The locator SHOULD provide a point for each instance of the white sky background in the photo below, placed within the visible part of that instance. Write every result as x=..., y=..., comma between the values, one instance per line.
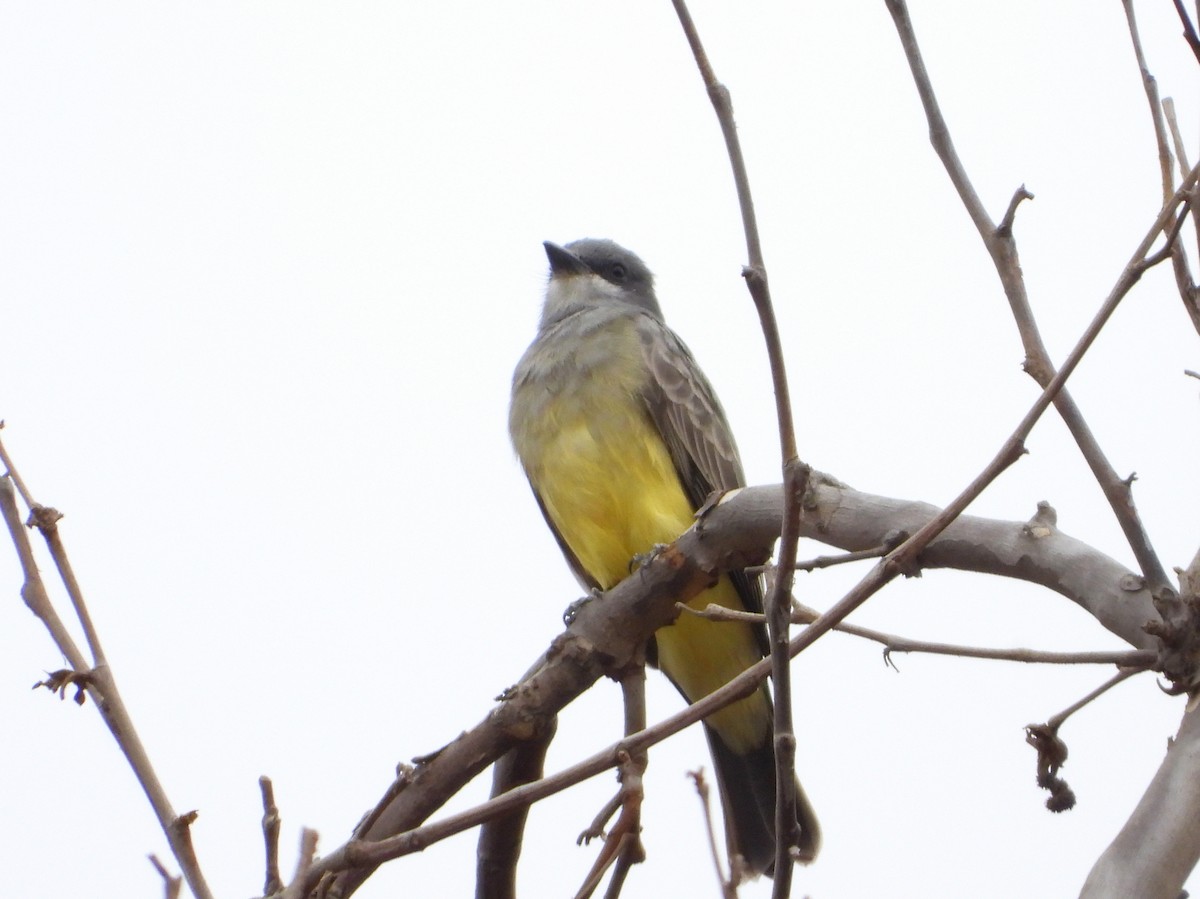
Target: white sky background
x=266, y=269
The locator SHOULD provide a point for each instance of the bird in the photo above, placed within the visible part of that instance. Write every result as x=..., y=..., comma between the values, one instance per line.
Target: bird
x=622, y=439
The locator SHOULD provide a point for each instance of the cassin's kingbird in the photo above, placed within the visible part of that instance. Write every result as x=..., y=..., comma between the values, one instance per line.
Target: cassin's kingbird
x=622, y=438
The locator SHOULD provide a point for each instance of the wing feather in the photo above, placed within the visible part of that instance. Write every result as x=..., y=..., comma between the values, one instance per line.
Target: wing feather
x=685, y=408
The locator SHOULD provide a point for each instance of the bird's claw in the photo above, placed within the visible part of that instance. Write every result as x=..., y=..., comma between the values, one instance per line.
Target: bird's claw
x=572, y=611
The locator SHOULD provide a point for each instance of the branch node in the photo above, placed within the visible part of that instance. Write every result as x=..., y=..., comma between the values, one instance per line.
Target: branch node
x=1132, y=583
x=172, y=884
x=1178, y=632
x=1044, y=522
x=44, y=518
x=1004, y=229
x=755, y=277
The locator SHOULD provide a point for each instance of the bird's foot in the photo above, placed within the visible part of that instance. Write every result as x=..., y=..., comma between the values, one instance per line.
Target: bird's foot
x=572, y=610
x=641, y=560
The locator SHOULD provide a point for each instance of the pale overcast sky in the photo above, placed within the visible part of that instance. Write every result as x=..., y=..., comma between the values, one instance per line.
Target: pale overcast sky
x=266, y=269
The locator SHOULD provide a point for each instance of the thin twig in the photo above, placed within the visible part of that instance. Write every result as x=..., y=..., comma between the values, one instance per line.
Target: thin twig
x=728, y=891
x=46, y=519
x=795, y=474
x=818, y=562
x=1183, y=275
x=623, y=844
x=304, y=864
x=273, y=882
x=1056, y=721
x=1189, y=30
x=33, y=588
x=596, y=829
x=1181, y=153
x=1185, y=165
x=1137, y=659
x=1150, y=87
x=98, y=679
x=10, y=471
x=893, y=643
x=172, y=884
x=1020, y=195
x=626, y=859
x=1052, y=749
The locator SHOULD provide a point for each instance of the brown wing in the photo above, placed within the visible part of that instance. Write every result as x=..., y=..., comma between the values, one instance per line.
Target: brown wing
x=689, y=416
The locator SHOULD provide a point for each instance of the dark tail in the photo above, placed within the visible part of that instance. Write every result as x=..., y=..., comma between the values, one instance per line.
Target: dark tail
x=747, y=785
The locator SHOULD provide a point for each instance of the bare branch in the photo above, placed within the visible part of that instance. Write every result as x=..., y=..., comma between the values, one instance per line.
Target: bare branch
x=1183, y=276
x=1159, y=845
x=1057, y=721
x=33, y=589
x=11, y=472
x=1004, y=229
x=272, y=882
x=795, y=474
x=624, y=862
x=1189, y=30
x=1181, y=154
x=172, y=885
x=500, y=838
x=1052, y=750
x=727, y=889
x=735, y=531
x=894, y=643
x=1002, y=248
x=304, y=863
x=98, y=680
x=623, y=844
x=1150, y=86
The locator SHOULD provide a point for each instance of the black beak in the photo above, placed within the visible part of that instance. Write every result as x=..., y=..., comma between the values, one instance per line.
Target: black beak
x=563, y=261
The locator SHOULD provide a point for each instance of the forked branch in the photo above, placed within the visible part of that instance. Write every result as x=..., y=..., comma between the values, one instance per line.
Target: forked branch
x=1002, y=248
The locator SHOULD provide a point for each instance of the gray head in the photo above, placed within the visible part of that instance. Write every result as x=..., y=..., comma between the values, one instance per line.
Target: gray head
x=589, y=272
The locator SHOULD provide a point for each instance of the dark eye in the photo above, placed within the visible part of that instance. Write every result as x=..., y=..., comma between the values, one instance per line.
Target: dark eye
x=617, y=271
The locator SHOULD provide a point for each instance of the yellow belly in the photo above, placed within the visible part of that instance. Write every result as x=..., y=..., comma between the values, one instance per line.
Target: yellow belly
x=607, y=481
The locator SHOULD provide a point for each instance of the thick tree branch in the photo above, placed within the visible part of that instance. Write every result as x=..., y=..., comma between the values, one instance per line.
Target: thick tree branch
x=500, y=839
x=1160, y=843
x=609, y=632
